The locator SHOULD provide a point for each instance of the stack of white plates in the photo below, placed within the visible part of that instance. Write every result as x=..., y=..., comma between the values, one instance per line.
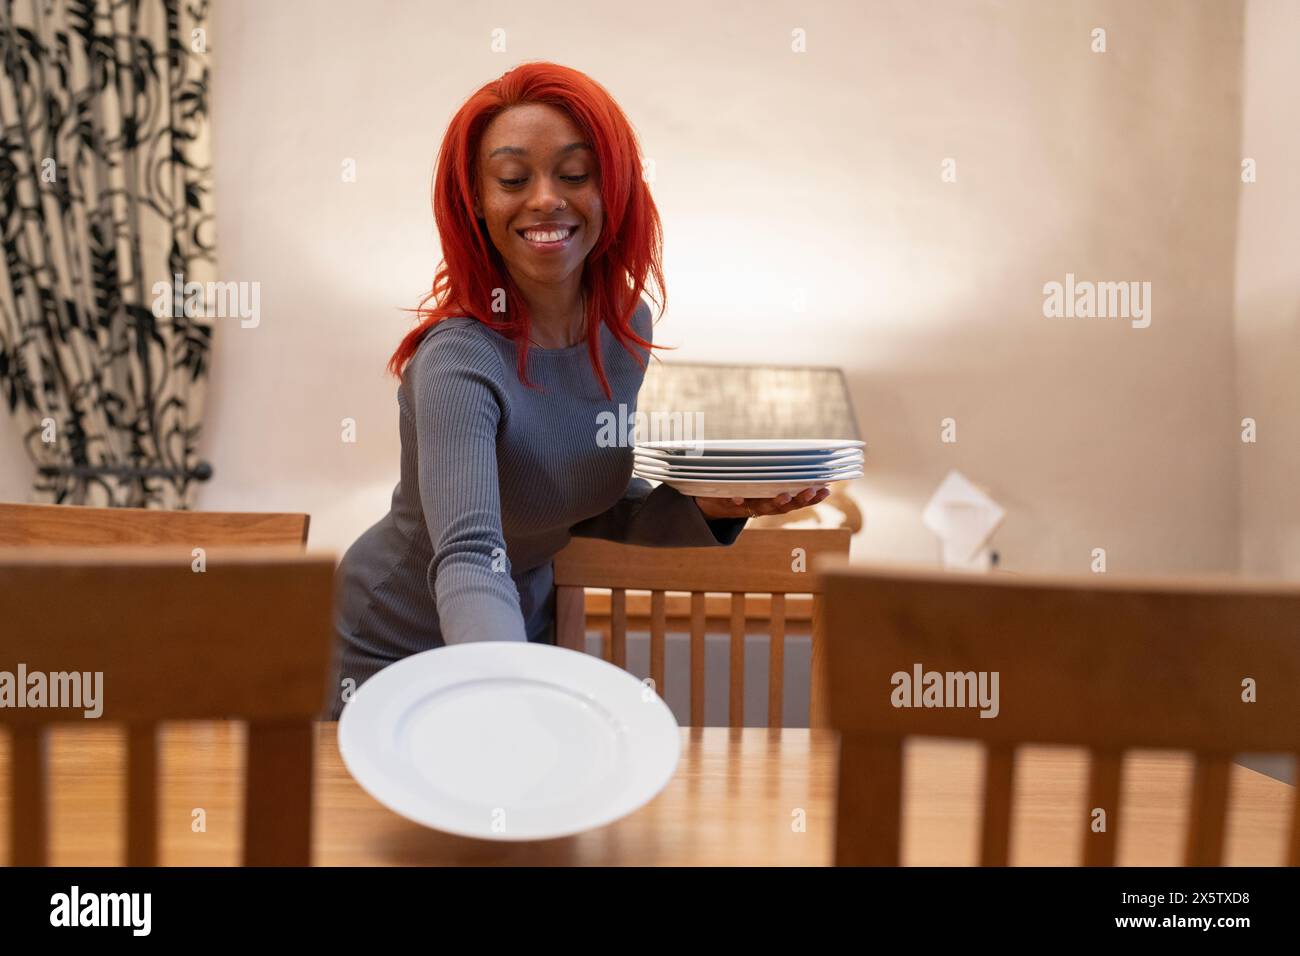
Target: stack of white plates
x=748, y=468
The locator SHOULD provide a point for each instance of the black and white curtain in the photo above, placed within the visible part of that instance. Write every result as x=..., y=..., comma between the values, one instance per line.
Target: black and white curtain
x=104, y=195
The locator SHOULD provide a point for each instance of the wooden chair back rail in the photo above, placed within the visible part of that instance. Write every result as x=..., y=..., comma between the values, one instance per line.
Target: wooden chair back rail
x=23, y=525
x=248, y=638
x=1110, y=666
x=757, y=572
x=717, y=609
x=713, y=625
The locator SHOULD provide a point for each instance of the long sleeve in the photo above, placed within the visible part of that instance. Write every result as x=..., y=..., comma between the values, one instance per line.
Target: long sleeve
x=659, y=517
x=457, y=409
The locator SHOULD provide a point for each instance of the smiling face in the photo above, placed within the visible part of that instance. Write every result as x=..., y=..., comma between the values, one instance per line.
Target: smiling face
x=538, y=193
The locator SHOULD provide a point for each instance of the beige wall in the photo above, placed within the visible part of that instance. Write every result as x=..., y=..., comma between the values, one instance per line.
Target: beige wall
x=1268, y=292
x=781, y=177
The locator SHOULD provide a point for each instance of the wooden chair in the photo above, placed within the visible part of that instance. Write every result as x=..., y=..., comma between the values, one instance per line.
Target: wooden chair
x=249, y=638
x=57, y=525
x=774, y=562
x=1100, y=663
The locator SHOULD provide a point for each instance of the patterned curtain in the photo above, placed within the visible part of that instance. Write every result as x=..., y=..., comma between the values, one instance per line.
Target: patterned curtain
x=105, y=193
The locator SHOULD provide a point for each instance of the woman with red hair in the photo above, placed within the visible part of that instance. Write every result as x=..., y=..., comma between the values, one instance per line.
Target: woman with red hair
x=536, y=327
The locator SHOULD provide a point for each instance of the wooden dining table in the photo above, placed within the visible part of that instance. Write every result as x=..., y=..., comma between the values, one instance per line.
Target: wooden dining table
x=738, y=797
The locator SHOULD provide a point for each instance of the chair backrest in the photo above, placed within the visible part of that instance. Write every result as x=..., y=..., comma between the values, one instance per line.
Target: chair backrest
x=155, y=634
x=1210, y=665
x=775, y=562
x=23, y=525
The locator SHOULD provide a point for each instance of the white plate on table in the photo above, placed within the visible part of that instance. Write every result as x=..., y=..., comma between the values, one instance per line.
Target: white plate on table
x=750, y=446
x=727, y=488
x=502, y=740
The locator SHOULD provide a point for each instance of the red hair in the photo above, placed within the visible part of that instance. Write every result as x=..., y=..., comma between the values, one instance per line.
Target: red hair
x=628, y=251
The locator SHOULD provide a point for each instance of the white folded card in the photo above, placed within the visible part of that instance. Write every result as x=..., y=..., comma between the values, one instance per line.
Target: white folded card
x=963, y=517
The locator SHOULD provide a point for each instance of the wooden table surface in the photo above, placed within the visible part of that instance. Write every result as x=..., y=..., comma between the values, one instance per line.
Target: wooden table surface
x=751, y=797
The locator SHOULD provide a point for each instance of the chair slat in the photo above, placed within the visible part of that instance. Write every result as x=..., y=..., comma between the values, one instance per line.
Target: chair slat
x=658, y=627
x=999, y=781
x=736, y=671
x=697, y=659
x=869, y=801
x=278, y=794
x=570, y=618
x=1209, y=811
x=1099, y=847
x=142, y=795
x=1293, y=857
x=776, y=663
x=618, y=628
x=819, y=714
x=28, y=796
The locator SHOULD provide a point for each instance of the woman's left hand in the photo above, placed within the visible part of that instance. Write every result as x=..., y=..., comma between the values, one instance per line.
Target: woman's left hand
x=756, y=507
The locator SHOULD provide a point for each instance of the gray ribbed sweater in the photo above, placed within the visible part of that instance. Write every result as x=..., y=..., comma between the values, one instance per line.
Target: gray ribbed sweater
x=495, y=479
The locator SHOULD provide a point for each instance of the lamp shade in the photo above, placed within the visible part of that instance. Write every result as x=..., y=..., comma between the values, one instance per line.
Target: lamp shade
x=750, y=401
